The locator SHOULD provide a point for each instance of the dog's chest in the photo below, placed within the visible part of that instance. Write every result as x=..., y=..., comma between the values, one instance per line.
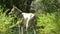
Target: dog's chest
x=27, y=17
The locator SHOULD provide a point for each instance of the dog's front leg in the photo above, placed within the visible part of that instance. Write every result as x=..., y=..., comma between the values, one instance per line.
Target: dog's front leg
x=22, y=30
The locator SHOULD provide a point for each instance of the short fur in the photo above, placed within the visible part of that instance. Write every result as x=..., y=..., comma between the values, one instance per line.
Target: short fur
x=29, y=19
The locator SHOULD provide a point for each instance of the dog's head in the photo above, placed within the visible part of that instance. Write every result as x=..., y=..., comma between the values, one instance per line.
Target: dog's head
x=16, y=12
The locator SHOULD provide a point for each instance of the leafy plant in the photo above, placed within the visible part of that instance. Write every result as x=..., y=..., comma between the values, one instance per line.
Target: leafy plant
x=48, y=21
x=7, y=22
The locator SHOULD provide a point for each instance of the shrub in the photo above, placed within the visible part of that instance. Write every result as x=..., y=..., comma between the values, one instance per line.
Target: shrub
x=48, y=21
x=7, y=23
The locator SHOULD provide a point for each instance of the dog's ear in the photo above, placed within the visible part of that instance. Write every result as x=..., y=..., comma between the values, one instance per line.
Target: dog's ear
x=11, y=11
x=17, y=8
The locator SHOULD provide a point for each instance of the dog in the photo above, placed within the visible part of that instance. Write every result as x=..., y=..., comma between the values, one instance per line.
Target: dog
x=29, y=19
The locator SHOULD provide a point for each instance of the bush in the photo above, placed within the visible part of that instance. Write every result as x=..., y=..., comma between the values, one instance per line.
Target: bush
x=7, y=23
x=48, y=21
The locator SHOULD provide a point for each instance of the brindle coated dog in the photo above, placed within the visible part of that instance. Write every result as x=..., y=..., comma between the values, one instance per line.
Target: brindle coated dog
x=29, y=19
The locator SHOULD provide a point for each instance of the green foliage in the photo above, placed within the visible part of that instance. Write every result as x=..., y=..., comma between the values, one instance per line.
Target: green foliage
x=7, y=22
x=50, y=6
x=51, y=23
x=50, y=17
x=44, y=19
x=50, y=20
x=23, y=5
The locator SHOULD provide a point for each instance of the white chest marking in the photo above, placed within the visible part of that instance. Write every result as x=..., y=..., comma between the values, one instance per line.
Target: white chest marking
x=27, y=16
